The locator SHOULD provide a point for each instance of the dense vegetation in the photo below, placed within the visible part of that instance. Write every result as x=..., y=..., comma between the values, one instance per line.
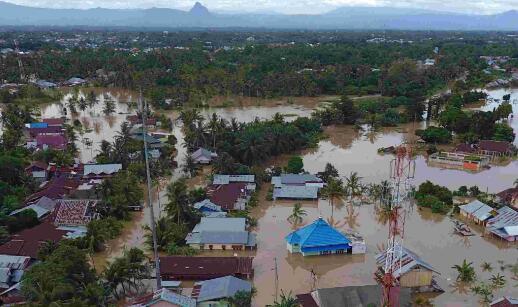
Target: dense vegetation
x=435, y=197
x=194, y=73
x=242, y=145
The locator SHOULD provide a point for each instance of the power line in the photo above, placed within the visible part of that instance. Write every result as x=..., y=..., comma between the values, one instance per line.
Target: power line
x=150, y=204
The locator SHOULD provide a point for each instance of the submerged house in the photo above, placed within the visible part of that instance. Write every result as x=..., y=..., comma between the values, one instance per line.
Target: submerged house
x=296, y=186
x=163, y=298
x=414, y=273
x=221, y=234
x=227, y=179
x=508, y=197
x=368, y=295
x=230, y=197
x=477, y=212
x=209, y=293
x=504, y=225
x=43, y=207
x=505, y=301
x=318, y=238
x=49, y=141
x=209, y=209
x=495, y=148
x=203, y=268
x=98, y=171
x=12, y=269
x=203, y=156
x=38, y=171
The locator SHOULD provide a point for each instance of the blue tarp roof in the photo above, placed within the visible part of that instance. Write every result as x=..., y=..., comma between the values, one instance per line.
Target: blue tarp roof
x=319, y=233
x=38, y=125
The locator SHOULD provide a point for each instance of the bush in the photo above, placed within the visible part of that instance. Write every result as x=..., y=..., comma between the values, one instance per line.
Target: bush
x=435, y=135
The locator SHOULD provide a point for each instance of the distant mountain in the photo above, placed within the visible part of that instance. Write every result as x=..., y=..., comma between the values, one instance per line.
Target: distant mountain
x=199, y=10
x=200, y=17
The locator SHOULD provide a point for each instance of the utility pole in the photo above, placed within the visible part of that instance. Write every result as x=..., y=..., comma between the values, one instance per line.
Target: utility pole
x=276, y=279
x=149, y=201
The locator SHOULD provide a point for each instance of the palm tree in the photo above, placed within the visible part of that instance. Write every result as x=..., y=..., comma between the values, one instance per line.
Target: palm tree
x=353, y=184
x=286, y=301
x=486, y=267
x=466, y=272
x=178, y=205
x=333, y=190
x=297, y=214
x=498, y=281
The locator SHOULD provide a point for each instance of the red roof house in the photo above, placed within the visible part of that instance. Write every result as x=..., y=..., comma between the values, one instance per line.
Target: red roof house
x=28, y=241
x=232, y=196
x=203, y=268
x=490, y=147
x=54, y=121
x=54, y=141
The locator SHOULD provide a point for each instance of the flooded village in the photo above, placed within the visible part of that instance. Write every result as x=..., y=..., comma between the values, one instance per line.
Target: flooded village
x=185, y=184
x=275, y=268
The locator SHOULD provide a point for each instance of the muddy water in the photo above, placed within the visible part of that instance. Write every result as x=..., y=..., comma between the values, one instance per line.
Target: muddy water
x=427, y=234
x=349, y=150
x=498, y=94
x=352, y=151
x=97, y=126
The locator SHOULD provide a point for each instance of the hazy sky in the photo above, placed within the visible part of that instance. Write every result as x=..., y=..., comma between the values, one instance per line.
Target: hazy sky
x=285, y=6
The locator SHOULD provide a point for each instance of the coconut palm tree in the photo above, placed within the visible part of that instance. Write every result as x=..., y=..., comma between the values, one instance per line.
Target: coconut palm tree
x=498, y=281
x=466, y=272
x=333, y=190
x=297, y=214
x=486, y=267
x=178, y=205
x=287, y=300
x=353, y=184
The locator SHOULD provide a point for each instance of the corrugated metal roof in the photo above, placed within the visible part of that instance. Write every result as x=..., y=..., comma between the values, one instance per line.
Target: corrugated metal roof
x=317, y=234
x=220, y=224
x=409, y=260
x=299, y=178
x=207, y=204
x=506, y=217
x=478, y=209
x=98, y=169
x=222, y=287
x=226, y=179
x=296, y=192
x=224, y=237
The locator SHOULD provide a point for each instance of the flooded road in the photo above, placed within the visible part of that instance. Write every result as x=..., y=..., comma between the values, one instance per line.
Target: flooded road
x=427, y=234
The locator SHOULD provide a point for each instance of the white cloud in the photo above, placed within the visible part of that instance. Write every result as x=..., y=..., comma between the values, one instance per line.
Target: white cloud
x=285, y=6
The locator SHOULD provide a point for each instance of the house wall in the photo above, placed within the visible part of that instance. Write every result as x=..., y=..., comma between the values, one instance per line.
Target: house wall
x=293, y=248
x=416, y=278
x=164, y=304
x=218, y=246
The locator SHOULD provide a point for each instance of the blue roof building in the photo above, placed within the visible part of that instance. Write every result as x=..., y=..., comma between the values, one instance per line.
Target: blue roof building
x=318, y=238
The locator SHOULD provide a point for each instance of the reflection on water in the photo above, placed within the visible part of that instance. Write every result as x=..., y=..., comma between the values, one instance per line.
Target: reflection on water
x=428, y=234
x=97, y=126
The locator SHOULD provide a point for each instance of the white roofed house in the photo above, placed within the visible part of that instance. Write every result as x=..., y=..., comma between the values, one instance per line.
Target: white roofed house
x=296, y=186
x=226, y=179
x=221, y=234
x=203, y=156
x=477, y=212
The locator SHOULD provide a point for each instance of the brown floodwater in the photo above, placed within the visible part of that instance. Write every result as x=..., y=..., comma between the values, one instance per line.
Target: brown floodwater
x=428, y=234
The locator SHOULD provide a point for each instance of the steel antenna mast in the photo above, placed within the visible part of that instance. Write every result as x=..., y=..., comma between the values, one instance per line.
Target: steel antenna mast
x=402, y=170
